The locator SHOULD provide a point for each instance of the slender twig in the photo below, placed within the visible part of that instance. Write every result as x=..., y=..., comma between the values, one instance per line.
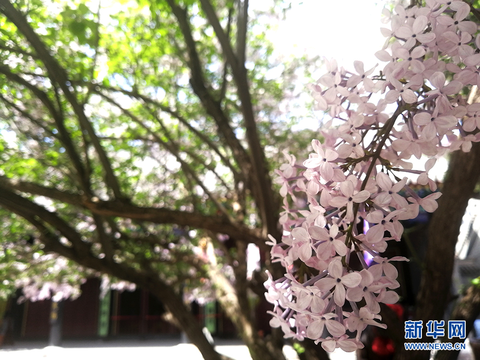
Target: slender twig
x=174, y=151
x=176, y=115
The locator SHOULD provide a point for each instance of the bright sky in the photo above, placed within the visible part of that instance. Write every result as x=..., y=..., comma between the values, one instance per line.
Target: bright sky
x=346, y=30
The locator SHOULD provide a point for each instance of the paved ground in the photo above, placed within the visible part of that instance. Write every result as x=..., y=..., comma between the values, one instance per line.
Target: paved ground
x=133, y=350
x=146, y=350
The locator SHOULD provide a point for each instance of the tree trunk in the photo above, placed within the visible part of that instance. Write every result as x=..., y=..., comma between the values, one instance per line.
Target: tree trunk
x=187, y=321
x=230, y=300
x=56, y=322
x=458, y=187
x=468, y=309
x=234, y=301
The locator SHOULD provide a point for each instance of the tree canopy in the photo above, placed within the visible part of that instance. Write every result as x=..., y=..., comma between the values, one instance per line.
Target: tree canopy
x=134, y=137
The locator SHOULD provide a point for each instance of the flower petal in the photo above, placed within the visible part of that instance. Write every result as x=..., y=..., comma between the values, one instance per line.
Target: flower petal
x=361, y=196
x=351, y=279
x=339, y=295
x=335, y=328
x=329, y=345
x=325, y=284
x=300, y=234
x=384, y=181
x=437, y=79
x=375, y=234
x=315, y=329
x=419, y=24
x=390, y=271
x=335, y=268
x=340, y=247
x=318, y=233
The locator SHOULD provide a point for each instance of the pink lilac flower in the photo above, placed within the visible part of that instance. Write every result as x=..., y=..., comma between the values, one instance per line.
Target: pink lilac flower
x=402, y=91
x=364, y=318
x=390, y=192
x=338, y=281
x=350, y=196
x=331, y=241
x=472, y=120
x=383, y=266
x=454, y=44
x=361, y=76
x=415, y=32
x=302, y=244
x=343, y=342
x=366, y=288
x=322, y=159
x=438, y=80
x=433, y=123
x=316, y=327
x=355, y=174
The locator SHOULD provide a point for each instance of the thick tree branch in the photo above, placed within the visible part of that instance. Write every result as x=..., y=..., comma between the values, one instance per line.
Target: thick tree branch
x=222, y=36
x=198, y=83
x=216, y=224
x=49, y=192
x=242, y=25
x=261, y=184
x=29, y=209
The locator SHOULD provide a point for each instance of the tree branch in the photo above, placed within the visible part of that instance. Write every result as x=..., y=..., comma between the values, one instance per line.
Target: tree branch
x=40, y=190
x=261, y=183
x=216, y=224
x=212, y=106
x=242, y=22
x=31, y=210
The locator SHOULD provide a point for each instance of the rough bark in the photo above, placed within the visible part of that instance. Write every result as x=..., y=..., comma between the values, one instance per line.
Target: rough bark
x=458, y=187
x=234, y=301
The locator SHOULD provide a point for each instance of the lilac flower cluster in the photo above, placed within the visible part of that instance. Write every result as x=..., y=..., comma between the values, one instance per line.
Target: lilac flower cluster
x=348, y=198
